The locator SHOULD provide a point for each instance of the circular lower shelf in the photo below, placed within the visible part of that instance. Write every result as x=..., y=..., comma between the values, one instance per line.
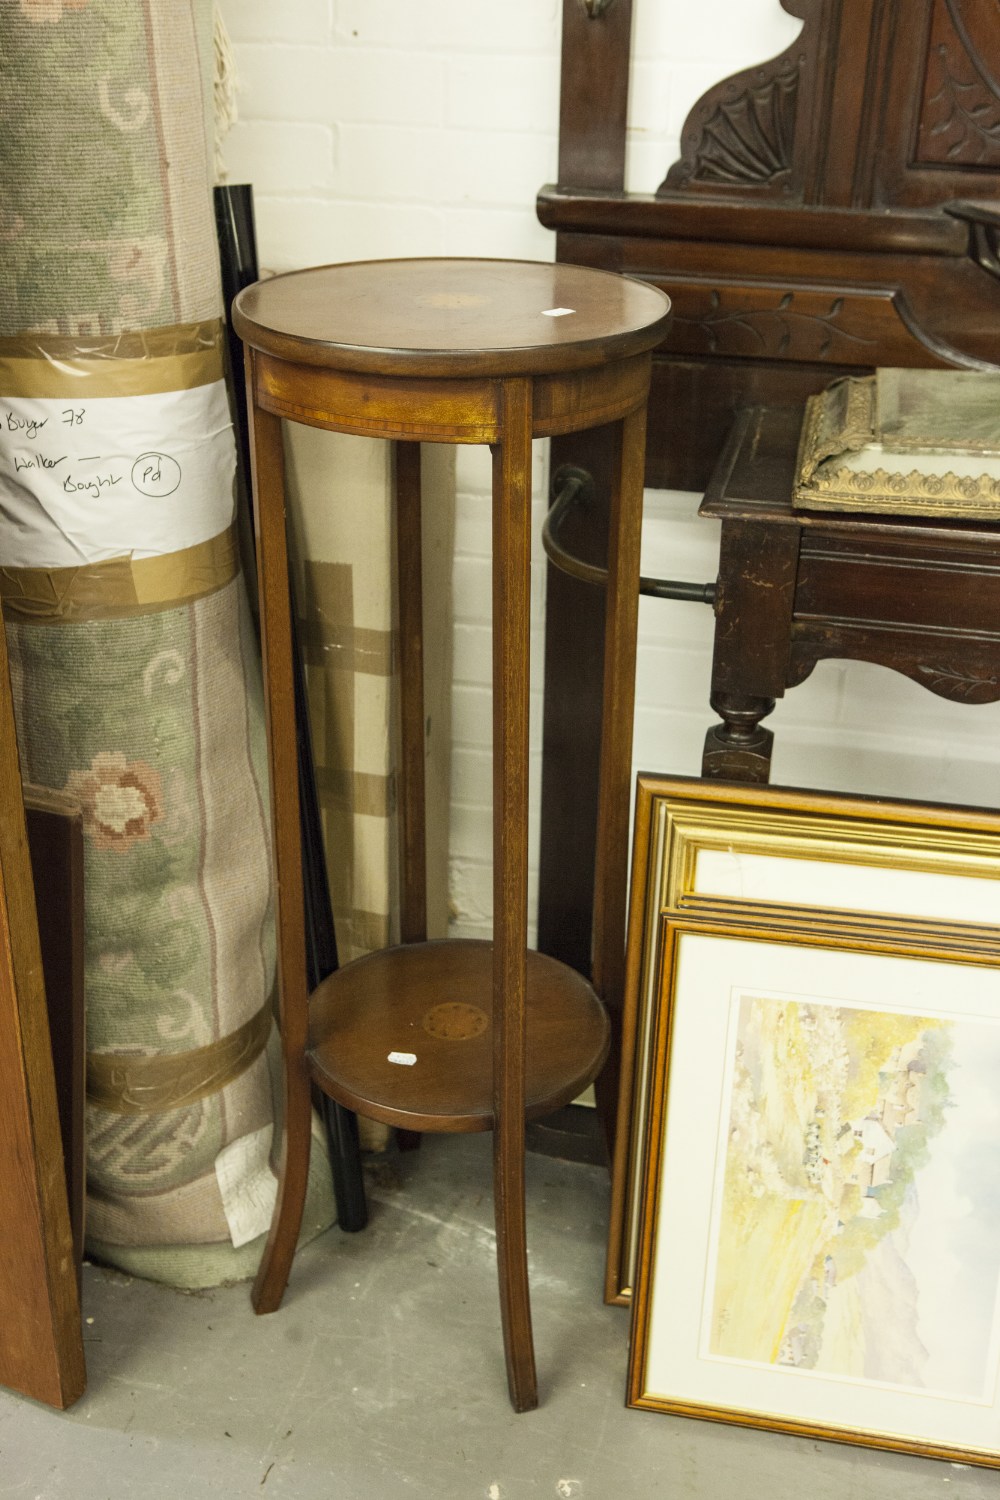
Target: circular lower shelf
x=433, y=1002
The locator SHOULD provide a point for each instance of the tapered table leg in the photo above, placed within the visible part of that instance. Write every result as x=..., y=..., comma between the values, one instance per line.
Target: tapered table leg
x=412, y=796
x=621, y=628
x=412, y=771
x=511, y=622
x=279, y=702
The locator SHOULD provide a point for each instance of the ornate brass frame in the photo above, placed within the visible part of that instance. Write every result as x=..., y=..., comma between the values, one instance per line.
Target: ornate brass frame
x=863, y=438
x=676, y=1364
x=679, y=819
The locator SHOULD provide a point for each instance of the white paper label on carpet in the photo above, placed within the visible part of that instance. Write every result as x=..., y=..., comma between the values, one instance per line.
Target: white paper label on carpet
x=112, y=476
x=248, y=1186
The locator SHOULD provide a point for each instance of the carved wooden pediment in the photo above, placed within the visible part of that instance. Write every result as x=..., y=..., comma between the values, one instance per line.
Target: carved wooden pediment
x=885, y=104
x=741, y=133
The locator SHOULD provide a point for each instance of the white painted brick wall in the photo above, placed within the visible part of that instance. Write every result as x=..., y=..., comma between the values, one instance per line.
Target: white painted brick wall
x=424, y=127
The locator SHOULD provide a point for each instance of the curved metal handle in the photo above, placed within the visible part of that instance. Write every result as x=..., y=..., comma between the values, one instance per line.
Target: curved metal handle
x=983, y=218
x=571, y=486
x=595, y=8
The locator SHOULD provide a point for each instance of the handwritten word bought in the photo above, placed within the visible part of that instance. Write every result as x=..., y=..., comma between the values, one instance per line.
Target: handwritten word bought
x=92, y=487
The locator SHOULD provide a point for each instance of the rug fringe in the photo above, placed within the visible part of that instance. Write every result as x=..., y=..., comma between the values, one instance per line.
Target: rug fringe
x=226, y=87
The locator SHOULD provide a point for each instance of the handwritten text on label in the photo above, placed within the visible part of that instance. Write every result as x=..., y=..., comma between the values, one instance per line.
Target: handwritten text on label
x=30, y=426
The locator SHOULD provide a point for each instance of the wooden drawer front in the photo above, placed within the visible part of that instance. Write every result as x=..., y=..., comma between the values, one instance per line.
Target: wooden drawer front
x=939, y=588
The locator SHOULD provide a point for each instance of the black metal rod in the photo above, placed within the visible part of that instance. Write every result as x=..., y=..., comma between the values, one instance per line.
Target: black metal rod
x=678, y=588
x=238, y=254
x=983, y=219
x=573, y=486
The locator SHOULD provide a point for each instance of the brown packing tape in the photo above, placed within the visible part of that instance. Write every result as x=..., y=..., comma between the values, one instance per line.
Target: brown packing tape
x=362, y=791
x=130, y=1085
x=347, y=648
x=369, y=929
x=330, y=636
x=121, y=587
x=176, y=358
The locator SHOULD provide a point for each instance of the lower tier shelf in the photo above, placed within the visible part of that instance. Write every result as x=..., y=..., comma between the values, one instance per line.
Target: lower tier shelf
x=433, y=1002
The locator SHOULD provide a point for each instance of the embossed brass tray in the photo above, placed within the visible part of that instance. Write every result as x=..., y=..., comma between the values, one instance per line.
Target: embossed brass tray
x=913, y=442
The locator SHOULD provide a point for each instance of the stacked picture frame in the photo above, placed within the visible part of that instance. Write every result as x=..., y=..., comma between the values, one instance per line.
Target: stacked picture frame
x=806, y=1185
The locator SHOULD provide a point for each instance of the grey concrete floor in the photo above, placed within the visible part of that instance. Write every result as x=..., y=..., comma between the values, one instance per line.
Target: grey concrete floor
x=382, y=1377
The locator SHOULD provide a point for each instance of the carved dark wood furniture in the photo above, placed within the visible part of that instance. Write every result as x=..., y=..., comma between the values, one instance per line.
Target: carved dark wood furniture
x=453, y=1036
x=919, y=596
x=814, y=226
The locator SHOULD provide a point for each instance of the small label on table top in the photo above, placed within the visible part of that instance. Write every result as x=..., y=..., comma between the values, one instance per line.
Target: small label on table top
x=406, y=1059
x=558, y=312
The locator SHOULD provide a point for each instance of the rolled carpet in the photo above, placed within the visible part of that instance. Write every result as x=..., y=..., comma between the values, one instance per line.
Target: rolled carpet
x=134, y=664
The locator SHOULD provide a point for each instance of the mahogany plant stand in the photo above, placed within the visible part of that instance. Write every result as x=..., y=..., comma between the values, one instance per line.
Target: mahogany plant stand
x=459, y=1035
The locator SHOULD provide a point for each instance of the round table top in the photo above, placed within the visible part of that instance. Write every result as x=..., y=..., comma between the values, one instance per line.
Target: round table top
x=451, y=317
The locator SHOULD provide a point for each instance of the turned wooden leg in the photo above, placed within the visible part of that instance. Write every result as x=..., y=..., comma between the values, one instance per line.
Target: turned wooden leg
x=611, y=862
x=279, y=701
x=758, y=566
x=511, y=619
x=738, y=749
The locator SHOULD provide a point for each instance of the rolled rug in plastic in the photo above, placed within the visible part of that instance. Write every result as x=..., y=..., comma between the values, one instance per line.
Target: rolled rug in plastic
x=134, y=663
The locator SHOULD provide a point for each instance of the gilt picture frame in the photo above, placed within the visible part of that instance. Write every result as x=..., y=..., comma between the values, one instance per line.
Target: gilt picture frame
x=747, y=854
x=820, y=1226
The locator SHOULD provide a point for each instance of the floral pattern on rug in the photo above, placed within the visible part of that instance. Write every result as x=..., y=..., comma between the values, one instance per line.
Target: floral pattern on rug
x=121, y=799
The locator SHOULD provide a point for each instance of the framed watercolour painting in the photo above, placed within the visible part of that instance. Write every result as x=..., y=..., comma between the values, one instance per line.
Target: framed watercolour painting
x=820, y=1227
x=753, y=855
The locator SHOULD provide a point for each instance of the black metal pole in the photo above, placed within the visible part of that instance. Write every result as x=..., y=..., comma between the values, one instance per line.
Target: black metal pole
x=238, y=253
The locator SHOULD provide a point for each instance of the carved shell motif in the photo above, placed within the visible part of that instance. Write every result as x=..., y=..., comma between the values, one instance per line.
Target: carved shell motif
x=747, y=139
